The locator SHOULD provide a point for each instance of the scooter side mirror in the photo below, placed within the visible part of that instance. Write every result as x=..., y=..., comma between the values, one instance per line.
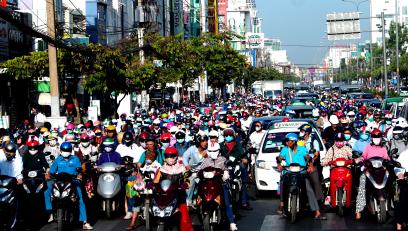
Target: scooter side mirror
x=394, y=151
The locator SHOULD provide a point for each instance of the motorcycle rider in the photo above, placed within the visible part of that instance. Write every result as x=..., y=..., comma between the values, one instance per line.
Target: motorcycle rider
x=246, y=121
x=362, y=142
x=230, y=147
x=313, y=148
x=68, y=163
x=86, y=149
x=400, y=209
x=338, y=150
x=11, y=163
x=108, y=153
x=255, y=138
x=375, y=149
x=151, y=150
x=292, y=153
x=128, y=148
x=329, y=132
x=192, y=158
x=348, y=137
x=181, y=144
x=397, y=139
x=173, y=167
x=51, y=149
x=214, y=159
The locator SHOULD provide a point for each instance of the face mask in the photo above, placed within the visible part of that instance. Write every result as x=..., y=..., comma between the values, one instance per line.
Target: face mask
x=108, y=149
x=70, y=132
x=138, y=124
x=85, y=144
x=148, y=162
x=180, y=141
x=65, y=154
x=33, y=152
x=347, y=136
x=388, y=122
x=301, y=134
x=187, y=126
x=339, y=144
x=166, y=145
x=170, y=161
x=53, y=143
x=396, y=137
x=364, y=137
x=315, y=118
x=229, y=139
x=258, y=129
x=377, y=141
x=213, y=155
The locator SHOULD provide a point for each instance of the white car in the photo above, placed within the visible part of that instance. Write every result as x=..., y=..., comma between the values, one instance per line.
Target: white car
x=267, y=176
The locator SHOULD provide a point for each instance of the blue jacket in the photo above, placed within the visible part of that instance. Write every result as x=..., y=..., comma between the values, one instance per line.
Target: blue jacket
x=69, y=166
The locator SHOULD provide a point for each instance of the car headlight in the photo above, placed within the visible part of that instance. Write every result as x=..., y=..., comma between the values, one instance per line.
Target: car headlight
x=261, y=164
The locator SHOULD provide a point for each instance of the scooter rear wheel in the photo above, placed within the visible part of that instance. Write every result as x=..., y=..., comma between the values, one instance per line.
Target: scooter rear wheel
x=147, y=215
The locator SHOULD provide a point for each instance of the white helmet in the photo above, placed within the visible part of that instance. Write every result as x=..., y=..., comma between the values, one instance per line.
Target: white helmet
x=213, y=133
x=401, y=122
x=213, y=150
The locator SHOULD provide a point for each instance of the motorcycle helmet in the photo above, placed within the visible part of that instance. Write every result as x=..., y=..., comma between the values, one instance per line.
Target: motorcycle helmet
x=165, y=139
x=376, y=133
x=360, y=116
x=292, y=136
x=111, y=128
x=213, y=150
x=52, y=140
x=306, y=128
x=85, y=140
x=33, y=146
x=108, y=144
x=339, y=137
x=213, y=133
x=180, y=136
x=200, y=137
x=10, y=151
x=70, y=138
x=397, y=132
x=127, y=138
x=43, y=130
x=170, y=155
x=66, y=149
x=70, y=126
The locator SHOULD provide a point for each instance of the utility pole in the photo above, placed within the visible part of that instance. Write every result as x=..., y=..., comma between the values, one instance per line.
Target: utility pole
x=52, y=61
x=397, y=45
x=144, y=97
x=384, y=55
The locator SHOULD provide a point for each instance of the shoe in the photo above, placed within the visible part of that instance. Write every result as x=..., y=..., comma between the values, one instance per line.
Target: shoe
x=233, y=227
x=131, y=227
x=87, y=226
x=128, y=216
x=358, y=216
x=51, y=218
x=320, y=217
x=246, y=207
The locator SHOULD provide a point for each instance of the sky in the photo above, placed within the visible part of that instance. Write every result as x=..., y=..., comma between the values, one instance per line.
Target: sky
x=303, y=22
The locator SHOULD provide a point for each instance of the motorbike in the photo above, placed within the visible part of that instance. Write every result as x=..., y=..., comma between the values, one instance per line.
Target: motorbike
x=145, y=188
x=34, y=186
x=165, y=203
x=8, y=203
x=109, y=187
x=378, y=187
x=340, y=184
x=65, y=200
x=209, y=198
x=234, y=181
x=294, y=189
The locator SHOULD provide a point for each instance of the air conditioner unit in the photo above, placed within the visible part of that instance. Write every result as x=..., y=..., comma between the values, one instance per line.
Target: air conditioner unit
x=139, y=14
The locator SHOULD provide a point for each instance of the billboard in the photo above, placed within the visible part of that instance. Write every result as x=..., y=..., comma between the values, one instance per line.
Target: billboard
x=343, y=26
x=255, y=40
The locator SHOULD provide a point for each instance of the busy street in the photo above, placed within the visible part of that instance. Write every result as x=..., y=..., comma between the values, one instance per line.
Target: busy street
x=203, y=115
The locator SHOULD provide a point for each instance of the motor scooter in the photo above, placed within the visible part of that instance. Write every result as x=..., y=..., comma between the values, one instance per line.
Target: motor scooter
x=110, y=187
x=235, y=182
x=34, y=186
x=340, y=184
x=65, y=200
x=378, y=187
x=166, y=199
x=8, y=203
x=294, y=189
x=209, y=199
x=145, y=189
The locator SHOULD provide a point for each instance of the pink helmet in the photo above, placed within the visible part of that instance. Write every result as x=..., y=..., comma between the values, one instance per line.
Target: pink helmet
x=70, y=126
x=211, y=123
x=84, y=138
x=169, y=125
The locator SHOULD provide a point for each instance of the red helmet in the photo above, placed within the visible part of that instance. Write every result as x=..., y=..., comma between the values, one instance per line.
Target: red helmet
x=245, y=114
x=144, y=136
x=171, y=152
x=84, y=138
x=376, y=133
x=32, y=144
x=165, y=136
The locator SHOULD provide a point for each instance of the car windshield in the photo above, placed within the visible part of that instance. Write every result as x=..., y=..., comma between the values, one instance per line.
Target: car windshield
x=273, y=142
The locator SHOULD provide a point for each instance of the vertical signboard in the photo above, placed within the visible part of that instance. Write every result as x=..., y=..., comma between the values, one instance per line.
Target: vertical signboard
x=178, y=16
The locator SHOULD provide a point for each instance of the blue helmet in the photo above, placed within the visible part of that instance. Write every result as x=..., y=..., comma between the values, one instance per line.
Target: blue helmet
x=292, y=136
x=66, y=147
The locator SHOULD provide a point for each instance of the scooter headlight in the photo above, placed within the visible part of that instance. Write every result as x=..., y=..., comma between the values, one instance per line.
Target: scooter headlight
x=56, y=193
x=65, y=193
x=340, y=163
x=209, y=175
x=108, y=178
x=294, y=168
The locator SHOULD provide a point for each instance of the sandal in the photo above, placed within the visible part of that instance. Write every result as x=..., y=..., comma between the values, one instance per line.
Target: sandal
x=320, y=218
x=131, y=227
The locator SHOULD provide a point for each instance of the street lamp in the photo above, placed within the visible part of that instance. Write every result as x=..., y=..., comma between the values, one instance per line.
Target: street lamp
x=356, y=3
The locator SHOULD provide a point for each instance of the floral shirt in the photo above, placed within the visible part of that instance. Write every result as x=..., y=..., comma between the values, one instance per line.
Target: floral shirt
x=334, y=152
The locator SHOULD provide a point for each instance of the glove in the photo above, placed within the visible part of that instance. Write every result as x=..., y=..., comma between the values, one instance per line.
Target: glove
x=225, y=176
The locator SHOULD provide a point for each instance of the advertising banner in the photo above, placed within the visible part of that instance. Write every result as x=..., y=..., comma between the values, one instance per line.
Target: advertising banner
x=255, y=40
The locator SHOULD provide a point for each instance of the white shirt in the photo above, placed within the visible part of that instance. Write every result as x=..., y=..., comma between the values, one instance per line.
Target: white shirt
x=256, y=138
x=39, y=118
x=132, y=151
x=11, y=168
x=245, y=124
x=403, y=159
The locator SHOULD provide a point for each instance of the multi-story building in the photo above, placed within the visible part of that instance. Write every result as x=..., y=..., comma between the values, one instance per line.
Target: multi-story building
x=391, y=9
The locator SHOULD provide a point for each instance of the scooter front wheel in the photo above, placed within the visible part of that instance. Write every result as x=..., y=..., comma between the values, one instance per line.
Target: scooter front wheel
x=108, y=208
x=340, y=204
x=60, y=220
x=382, y=213
x=147, y=215
x=293, y=208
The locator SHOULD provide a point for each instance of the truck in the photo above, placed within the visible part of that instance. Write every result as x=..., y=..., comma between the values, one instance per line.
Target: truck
x=272, y=88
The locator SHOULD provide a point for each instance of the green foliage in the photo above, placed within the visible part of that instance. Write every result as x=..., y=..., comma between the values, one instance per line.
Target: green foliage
x=33, y=65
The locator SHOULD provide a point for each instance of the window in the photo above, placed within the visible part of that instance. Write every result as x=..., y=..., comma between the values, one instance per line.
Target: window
x=404, y=10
